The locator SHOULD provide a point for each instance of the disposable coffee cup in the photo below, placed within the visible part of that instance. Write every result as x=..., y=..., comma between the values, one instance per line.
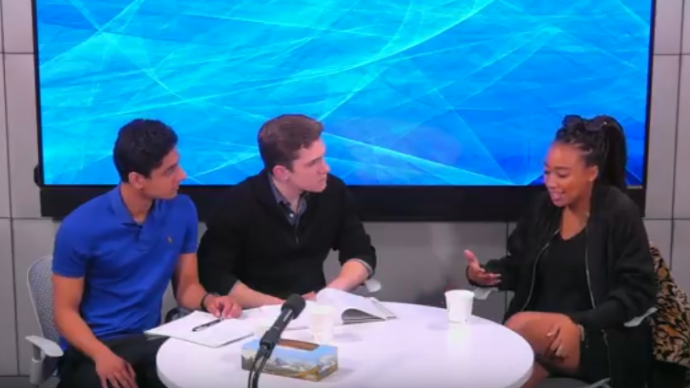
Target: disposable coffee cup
x=322, y=323
x=459, y=305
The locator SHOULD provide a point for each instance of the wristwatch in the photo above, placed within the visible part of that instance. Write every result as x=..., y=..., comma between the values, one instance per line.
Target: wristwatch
x=203, y=300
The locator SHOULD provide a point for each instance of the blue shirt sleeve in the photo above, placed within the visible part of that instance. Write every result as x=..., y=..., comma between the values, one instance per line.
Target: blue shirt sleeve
x=191, y=236
x=69, y=257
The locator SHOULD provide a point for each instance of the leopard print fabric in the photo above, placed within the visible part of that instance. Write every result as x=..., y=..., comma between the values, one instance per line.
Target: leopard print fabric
x=671, y=322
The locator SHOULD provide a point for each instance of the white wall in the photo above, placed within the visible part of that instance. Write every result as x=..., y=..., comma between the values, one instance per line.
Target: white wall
x=415, y=258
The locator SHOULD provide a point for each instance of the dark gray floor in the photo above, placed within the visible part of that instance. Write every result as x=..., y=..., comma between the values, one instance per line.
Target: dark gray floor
x=22, y=382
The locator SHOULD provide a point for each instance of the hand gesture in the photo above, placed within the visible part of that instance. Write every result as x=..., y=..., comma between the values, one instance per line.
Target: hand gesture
x=310, y=296
x=564, y=335
x=222, y=306
x=477, y=274
x=114, y=372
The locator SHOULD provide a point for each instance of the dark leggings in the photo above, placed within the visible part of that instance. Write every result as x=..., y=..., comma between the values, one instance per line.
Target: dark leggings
x=76, y=370
x=665, y=375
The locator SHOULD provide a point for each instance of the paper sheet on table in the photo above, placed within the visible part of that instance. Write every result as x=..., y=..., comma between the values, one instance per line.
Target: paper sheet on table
x=227, y=331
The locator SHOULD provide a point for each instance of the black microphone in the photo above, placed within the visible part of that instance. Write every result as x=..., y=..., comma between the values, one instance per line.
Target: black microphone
x=290, y=310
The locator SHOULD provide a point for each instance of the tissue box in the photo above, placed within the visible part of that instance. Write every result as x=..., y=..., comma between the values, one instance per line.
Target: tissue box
x=296, y=359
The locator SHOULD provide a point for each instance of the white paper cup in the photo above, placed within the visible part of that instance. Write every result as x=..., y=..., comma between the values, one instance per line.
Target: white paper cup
x=321, y=323
x=459, y=305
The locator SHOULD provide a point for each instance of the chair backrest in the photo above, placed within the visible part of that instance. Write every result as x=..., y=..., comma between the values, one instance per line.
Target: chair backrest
x=41, y=293
x=671, y=322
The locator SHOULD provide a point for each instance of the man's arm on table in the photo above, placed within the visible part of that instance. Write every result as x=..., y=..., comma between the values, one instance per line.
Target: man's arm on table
x=189, y=292
x=357, y=255
x=69, y=267
x=219, y=254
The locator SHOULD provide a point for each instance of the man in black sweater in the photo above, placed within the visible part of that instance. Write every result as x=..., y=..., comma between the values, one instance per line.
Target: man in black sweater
x=272, y=232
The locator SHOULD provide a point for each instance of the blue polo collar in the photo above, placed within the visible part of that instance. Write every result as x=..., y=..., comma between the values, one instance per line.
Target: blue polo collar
x=120, y=211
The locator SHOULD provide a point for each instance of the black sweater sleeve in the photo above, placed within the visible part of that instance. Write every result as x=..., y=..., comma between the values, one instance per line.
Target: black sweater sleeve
x=509, y=266
x=635, y=280
x=220, y=250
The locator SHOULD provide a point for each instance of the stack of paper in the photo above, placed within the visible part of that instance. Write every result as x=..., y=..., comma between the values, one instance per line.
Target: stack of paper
x=354, y=308
x=205, y=329
x=349, y=308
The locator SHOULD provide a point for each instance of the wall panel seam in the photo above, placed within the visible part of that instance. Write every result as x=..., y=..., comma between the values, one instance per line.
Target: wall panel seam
x=9, y=200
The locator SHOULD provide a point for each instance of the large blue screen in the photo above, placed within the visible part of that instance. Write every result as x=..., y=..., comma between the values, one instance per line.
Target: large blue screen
x=411, y=92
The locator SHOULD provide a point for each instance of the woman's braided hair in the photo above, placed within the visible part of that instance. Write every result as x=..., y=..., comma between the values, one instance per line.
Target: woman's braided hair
x=602, y=141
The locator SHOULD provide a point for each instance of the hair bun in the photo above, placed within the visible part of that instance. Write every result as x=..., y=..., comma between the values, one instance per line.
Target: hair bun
x=572, y=120
x=604, y=123
x=602, y=141
x=574, y=126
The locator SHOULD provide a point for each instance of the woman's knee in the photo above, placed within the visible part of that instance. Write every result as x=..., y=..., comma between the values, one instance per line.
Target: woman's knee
x=535, y=328
x=520, y=321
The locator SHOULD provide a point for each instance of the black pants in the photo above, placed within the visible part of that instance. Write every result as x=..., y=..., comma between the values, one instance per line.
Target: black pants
x=79, y=371
x=665, y=375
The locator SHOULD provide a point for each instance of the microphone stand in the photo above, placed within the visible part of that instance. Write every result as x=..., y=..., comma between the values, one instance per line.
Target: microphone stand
x=291, y=309
x=262, y=355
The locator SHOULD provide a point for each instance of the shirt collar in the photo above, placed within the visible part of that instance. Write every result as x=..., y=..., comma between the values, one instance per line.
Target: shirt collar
x=280, y=198
x=117, y=204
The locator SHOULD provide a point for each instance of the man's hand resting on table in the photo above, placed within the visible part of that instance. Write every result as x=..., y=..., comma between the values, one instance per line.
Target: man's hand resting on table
x=222, y=306
x=479, y=275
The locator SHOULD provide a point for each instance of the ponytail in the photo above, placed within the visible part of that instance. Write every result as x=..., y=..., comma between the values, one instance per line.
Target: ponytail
x=602, y=141
x=612, y=169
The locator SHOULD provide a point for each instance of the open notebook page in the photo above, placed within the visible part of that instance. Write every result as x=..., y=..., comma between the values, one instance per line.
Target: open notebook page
x=352, y=307
x=227, y=331
x=349, y=308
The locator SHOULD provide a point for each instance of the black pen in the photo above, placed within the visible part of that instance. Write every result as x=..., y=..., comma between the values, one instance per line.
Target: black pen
x=207, y=325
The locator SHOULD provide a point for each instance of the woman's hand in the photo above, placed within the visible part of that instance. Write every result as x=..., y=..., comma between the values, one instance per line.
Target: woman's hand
x=562, y=334
x=477, y=274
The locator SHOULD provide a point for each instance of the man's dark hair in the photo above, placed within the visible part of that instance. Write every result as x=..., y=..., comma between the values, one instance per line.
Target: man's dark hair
x=281, y=138
x=141, y=146
x=602, y=141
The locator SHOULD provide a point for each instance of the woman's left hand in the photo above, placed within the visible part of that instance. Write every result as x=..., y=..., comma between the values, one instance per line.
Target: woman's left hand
x=562, y=334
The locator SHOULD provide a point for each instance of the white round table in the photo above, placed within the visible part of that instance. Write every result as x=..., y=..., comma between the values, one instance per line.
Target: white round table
x=420, y=348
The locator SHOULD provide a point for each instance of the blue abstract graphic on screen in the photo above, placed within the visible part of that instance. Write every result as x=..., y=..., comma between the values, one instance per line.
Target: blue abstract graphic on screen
x=432, y=92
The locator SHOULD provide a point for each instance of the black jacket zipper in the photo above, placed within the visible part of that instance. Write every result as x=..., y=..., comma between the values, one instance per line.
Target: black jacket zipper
x=594, y=305
x=589, y=289
x=534, y=270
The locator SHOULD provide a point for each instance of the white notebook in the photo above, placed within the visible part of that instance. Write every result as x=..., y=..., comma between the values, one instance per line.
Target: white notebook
x=350, y=308
x=216, y=333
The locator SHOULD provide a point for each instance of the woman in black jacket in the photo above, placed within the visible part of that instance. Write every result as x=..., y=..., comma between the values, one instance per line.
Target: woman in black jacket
x=579, y=264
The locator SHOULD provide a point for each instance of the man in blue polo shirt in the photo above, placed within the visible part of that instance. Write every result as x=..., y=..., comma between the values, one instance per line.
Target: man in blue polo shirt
x=113, y=259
